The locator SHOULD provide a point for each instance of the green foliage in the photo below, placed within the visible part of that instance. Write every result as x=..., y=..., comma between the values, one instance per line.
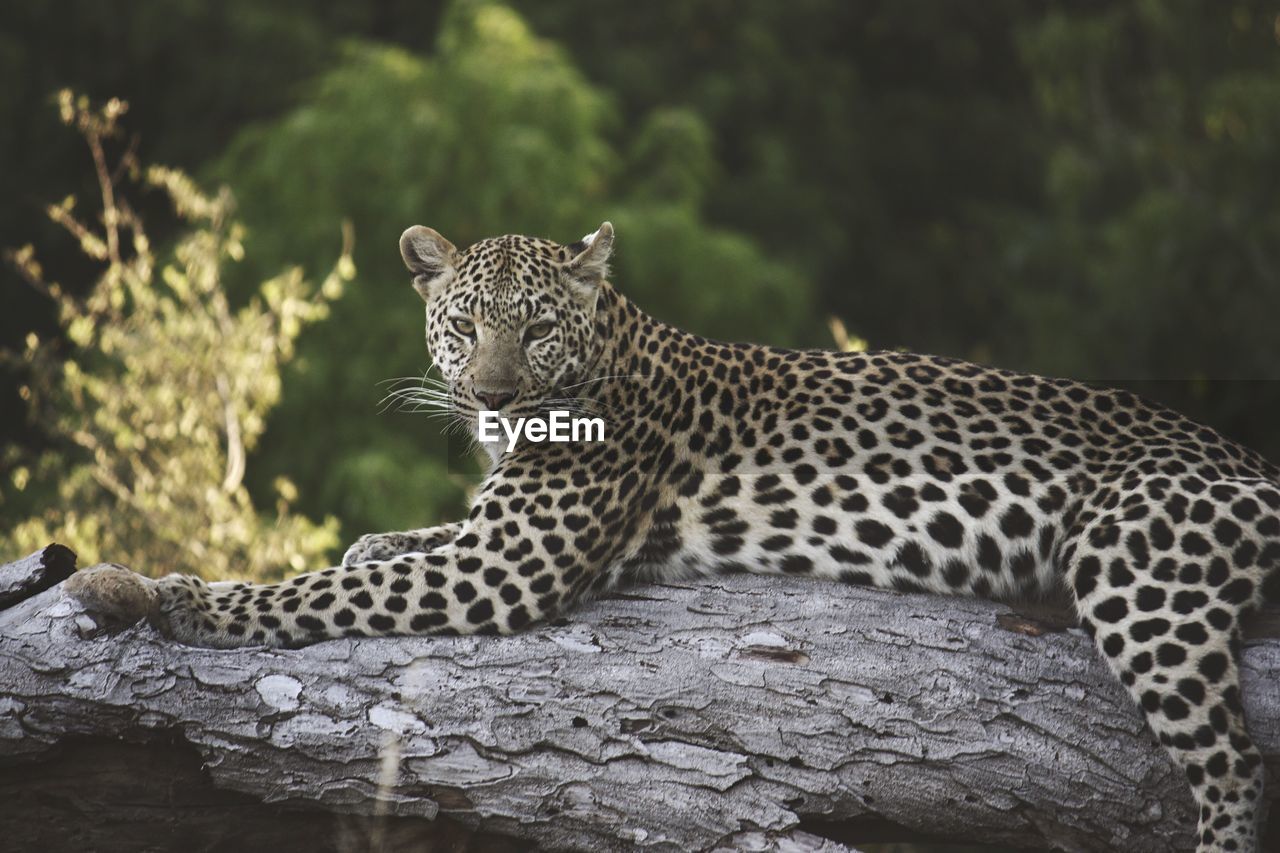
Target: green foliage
x=1158, y=183
x=673, y=158
x=1156, y=242
x=164, y=390
x=714, y=282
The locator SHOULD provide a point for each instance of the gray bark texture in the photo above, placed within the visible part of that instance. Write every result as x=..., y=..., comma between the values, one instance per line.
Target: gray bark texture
x=742, y=712
x=22, y=579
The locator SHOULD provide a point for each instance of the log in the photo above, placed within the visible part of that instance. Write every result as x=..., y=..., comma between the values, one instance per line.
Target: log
x=34, y=573
x=742, y=712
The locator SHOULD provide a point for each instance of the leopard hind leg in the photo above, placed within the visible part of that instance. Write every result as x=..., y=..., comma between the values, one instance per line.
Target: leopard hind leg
x=1161, y=579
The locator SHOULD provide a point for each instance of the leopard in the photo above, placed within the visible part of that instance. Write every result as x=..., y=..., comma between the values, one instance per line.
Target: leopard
x=888, y=469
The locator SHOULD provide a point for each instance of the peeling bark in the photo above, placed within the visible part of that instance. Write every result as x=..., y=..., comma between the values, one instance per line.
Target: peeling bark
x=741, y=713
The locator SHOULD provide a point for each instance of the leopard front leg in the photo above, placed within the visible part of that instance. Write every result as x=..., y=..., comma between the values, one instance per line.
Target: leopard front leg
x=384, y=546
x=504, y=569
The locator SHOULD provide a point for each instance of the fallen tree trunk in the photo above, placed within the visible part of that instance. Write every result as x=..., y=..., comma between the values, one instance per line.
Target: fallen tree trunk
x=34, y=573
x=743, y=713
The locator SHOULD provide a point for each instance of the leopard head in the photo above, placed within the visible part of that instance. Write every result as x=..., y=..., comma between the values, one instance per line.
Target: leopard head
x=511, y=321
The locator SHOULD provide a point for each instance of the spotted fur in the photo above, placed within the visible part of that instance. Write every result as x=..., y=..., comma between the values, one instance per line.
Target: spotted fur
x=909, y=472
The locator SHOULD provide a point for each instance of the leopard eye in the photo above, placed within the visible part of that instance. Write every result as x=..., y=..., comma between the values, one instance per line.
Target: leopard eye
x=537, y=331
x=464, y=326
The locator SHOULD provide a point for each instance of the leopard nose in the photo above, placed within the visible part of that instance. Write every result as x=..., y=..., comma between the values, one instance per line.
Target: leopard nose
x=495, y=400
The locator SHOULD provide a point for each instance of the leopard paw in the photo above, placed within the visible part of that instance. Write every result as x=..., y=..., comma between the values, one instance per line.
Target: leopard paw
x=112, y=595
x=374, y=546
x=385, y=546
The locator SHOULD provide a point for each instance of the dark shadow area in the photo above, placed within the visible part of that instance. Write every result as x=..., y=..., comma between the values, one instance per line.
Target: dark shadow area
x=102, y=795
x=878, y=835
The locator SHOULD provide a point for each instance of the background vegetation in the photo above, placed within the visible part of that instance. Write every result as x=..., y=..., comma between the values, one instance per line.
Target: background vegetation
x=1078, y=188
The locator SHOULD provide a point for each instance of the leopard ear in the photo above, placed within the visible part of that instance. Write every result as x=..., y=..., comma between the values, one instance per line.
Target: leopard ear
x=430, y=258
x=588, y=268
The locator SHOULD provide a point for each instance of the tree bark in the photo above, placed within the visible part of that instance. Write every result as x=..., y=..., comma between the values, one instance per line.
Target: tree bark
x=50, y=565
x=736, y=713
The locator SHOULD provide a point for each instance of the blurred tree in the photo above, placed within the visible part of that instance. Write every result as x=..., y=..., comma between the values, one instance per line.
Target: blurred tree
x=1158, y=241
x=165, y=390
x=496, y=133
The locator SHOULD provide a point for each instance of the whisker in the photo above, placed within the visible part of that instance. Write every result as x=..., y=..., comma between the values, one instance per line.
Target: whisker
x=584, y=407
x=417, y=394
x=605, y=378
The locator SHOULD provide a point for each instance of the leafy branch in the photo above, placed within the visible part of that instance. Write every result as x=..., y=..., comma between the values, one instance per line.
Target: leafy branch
x=166, y=385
